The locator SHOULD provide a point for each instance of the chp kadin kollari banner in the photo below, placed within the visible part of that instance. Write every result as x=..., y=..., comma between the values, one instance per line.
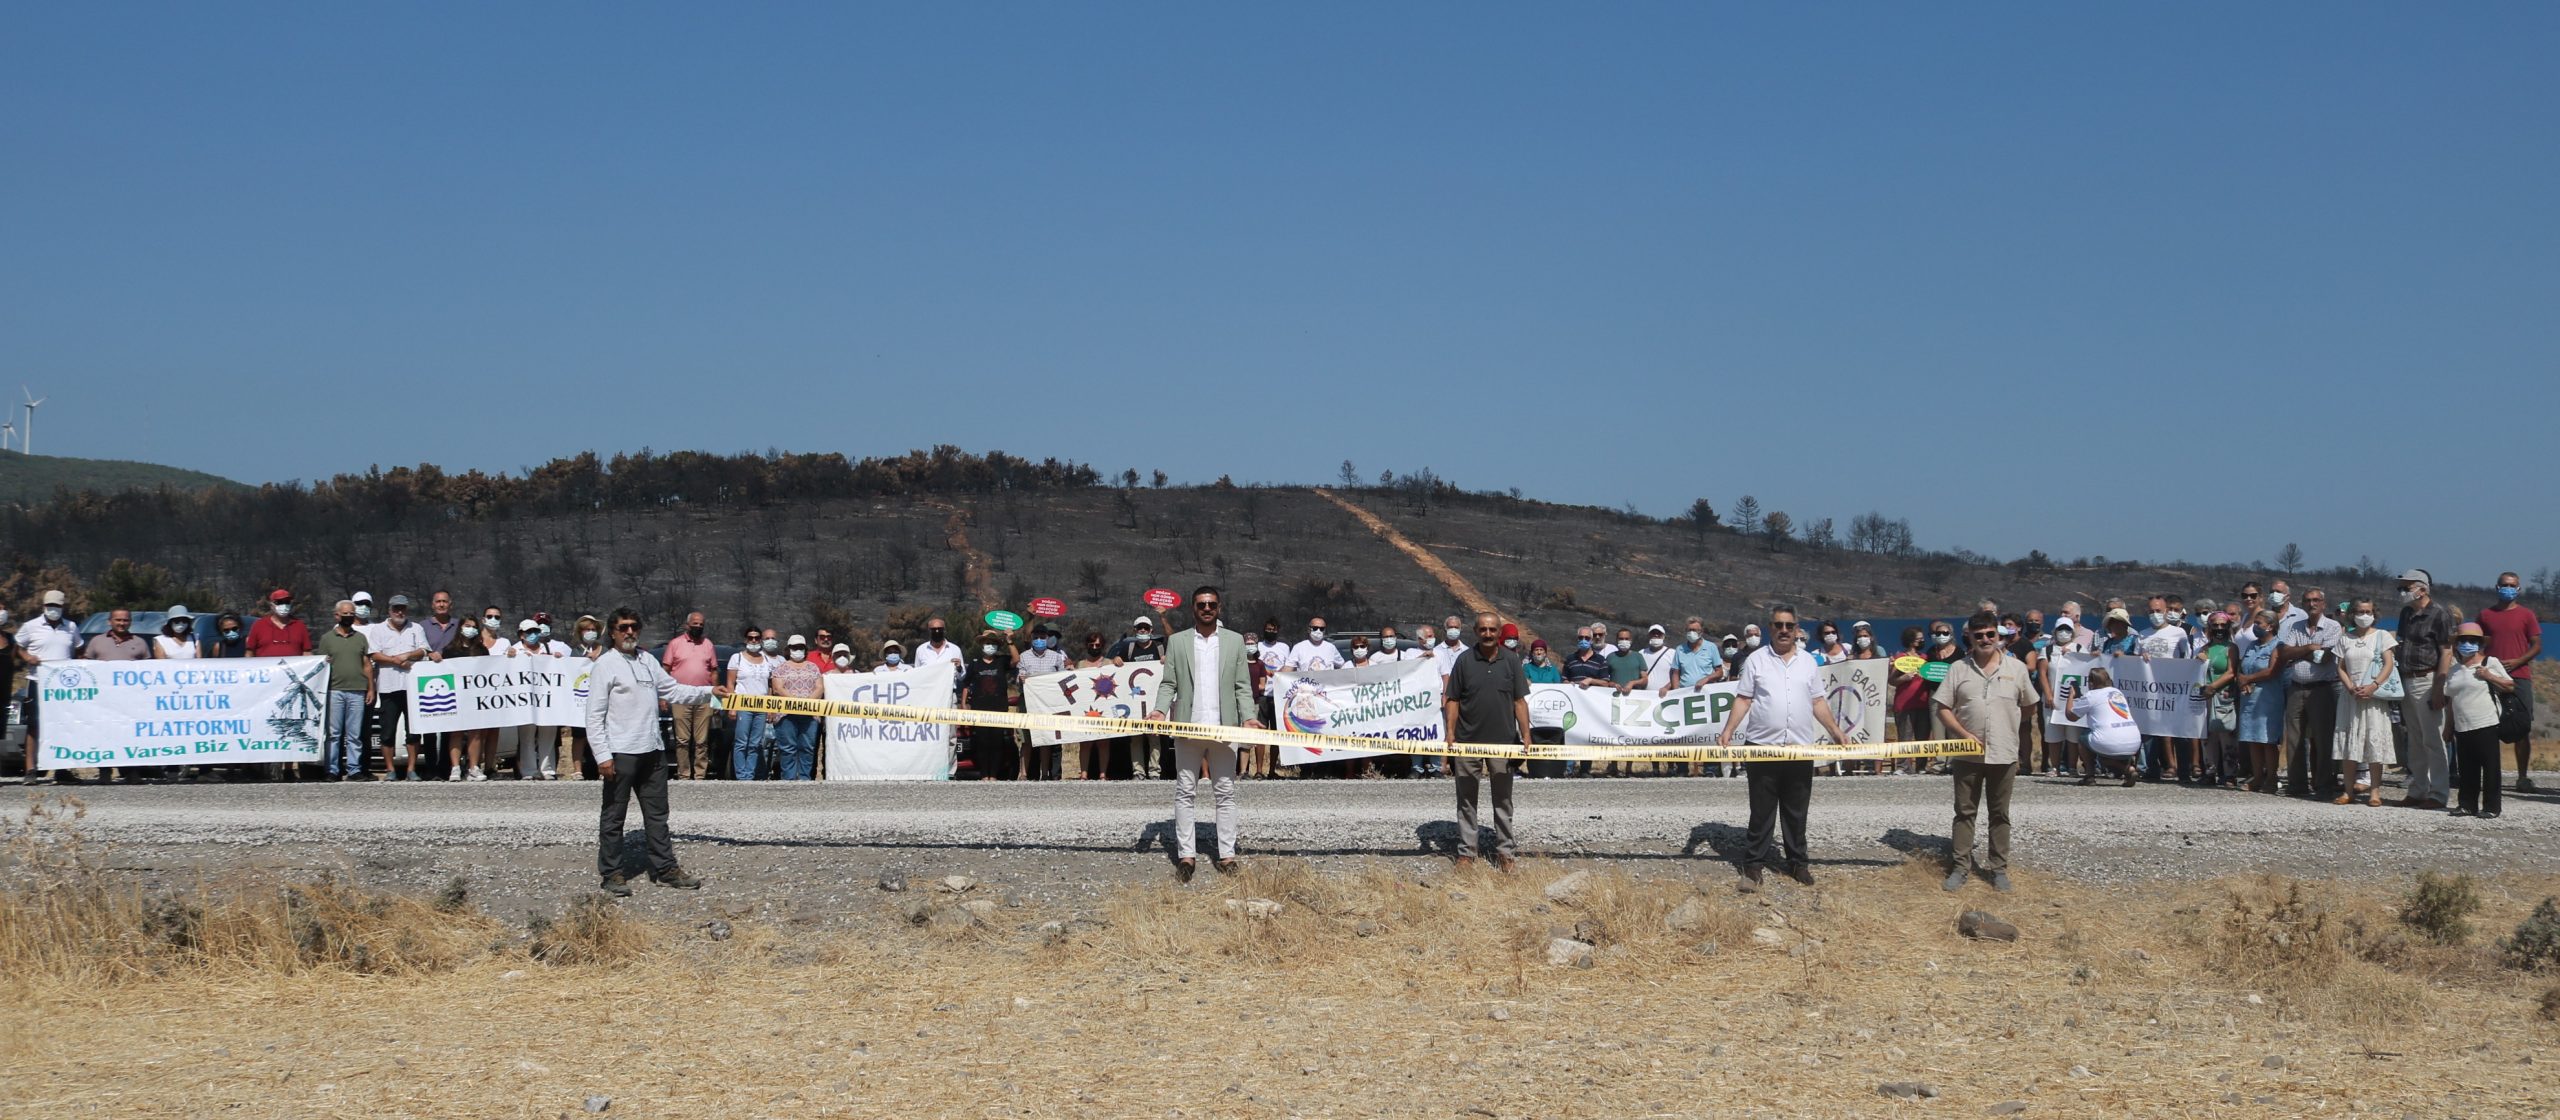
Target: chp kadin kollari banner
x=181, y=713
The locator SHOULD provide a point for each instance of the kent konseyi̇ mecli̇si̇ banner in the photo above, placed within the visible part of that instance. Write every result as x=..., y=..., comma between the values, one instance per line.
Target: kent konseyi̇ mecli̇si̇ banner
x=181, y=713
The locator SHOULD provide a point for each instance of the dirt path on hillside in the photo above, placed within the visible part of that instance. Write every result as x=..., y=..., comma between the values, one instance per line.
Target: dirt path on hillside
x=1475, y=600
x=979, y=574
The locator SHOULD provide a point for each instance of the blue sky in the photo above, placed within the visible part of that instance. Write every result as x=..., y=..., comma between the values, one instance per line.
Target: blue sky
x=2163, y=281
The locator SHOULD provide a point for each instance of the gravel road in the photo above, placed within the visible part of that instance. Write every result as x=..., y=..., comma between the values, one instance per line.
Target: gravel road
x=809, y=851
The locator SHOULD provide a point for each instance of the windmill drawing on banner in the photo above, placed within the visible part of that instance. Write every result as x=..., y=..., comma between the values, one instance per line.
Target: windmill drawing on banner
x=298, y=712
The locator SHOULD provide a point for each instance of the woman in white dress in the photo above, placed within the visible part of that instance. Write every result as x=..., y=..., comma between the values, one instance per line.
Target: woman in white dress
x=2365, y=657
x=177, y=638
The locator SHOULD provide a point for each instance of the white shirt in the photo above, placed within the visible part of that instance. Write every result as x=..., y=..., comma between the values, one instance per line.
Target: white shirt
x=1274, y=657
x=1783, y=692
x=2168, y=642
x=2111, y=728
x=1311, y=655
x=1657, y=666
x=1034, y=662
x=749, y=674
x=1205, y=678
x=2466, y=691
x=1444, y=657
x=385, y=639
x=48, y=641
x=175, y=649
x=622, y=702
x=946, y=653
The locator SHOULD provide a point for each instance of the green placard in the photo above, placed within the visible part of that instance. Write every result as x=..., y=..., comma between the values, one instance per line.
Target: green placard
x=1004, y=620
x=1934, y=672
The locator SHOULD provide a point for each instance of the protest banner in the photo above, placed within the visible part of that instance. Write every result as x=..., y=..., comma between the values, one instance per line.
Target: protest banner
x=2067, y=670
x=1854, y=690
x=878, y=750
x=1117, y=691
x=1397, y=702
x=181, y=713
x=2167, y=694
x=472, y=693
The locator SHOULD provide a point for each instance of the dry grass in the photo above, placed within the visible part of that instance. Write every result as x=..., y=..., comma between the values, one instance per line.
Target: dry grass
x=1395, y=989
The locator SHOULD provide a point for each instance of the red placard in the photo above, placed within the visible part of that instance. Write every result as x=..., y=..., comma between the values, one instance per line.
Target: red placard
x=1162, y=598
x=1048, y=608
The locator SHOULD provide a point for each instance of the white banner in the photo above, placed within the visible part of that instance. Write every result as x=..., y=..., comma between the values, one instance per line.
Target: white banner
x=1113, y=691
x=1397, y=701
x=2067, y=671
x=1599, y=717
x=887, y=750
x=2167, y=694
x=471, y=693
x=182, y=713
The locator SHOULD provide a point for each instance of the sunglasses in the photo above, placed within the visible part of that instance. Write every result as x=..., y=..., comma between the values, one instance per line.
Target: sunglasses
x=619, y=628
x=1986, y=636
x=1208, y=605
x=1786, y=626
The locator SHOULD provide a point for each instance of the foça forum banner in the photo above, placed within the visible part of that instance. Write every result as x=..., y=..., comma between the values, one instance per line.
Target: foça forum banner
x=471, y=693
x=1106, y=691
x=889, y=750
x=1695, y=716
x=1397, y=702
x=181, y=713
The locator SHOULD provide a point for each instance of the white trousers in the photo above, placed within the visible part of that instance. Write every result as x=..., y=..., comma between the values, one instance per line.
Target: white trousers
x=1187, y=757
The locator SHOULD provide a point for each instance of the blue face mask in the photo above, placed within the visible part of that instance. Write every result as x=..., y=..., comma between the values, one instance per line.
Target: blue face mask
x=2508, y=594
x=2466, y=649
x=1039, y=644
x=1583, y=644
x=2043, y=642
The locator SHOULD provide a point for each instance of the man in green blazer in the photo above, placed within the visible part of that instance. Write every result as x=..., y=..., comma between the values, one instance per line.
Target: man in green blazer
x=1205, y=682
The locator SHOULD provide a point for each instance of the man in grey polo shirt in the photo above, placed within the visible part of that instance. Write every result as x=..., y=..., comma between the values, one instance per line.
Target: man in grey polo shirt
x=2425, y=656
x=1486, y=701
x=1980, y=699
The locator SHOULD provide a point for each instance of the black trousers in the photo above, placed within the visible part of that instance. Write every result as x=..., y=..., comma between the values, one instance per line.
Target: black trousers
x=993, y=755
x=2476, y=769
x=1780, y=792
x=644, y=776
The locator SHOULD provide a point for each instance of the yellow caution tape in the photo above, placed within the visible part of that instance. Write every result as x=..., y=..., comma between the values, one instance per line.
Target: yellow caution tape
x=1263, y=737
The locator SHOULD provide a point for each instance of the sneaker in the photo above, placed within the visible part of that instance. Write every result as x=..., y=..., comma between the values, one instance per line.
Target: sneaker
x=2491, y=815
x=550, y=775
x=454, y=775
x=477, y=775
x=677, y=878
x=617, y=885
x=2525, y=784
x=1955, y=879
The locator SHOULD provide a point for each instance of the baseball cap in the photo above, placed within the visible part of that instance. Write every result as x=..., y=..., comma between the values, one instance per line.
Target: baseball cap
x=54, y=599
x=841, y=648
x=399, y=600
x=1143, y=620
x=1511, y=629
x=527, y=624
x=796, y=640
x=2417, y=575
x=279, y=595
x=1861, y=624
x=361, y=597
x=2120, y=615
x=1656, y=628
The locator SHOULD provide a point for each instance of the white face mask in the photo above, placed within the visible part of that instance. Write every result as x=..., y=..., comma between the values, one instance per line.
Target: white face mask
x=2275, y=599
x=893, y=660
x=1865, y=641
x=588, y=636
x=844, y=663
x=283, y=610
x=471, y=631
x=989, y=651
x=1510, y=643
x=364, y=611
x=1654, y=642
x=1752, y=642
x=2364, y=622
x=799, y=655
x=1696, y=637
x=1315, y=635
x=53, y=614
x=1387, y=642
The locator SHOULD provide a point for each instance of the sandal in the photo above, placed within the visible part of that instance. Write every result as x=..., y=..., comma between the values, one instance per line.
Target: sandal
x=2374, y=799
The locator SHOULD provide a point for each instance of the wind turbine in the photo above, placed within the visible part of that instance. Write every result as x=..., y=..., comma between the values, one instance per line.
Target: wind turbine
x=6, y=428
x=27, y=442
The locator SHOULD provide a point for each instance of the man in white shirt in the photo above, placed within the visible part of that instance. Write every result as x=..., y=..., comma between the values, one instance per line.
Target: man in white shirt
x=1205, y=682
x=937, y=649
x=623, y=694
x=1444, y=654
x=397, y=645
x=1780, y=703
x=49, y=636
x=1315, y=653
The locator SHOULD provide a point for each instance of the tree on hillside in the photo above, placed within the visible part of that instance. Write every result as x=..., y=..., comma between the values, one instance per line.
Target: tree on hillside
x=2289, y=558
x=1778, y=527
x=1090, y=575
x=1350, y=476
x=1818, y=534
x=1129, y=479
x=1160, y=480
x=1702, y=517
x=1746, y=515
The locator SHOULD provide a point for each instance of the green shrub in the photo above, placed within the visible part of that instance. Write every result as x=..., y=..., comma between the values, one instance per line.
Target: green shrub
x=2536, y=944
x=2440, y=907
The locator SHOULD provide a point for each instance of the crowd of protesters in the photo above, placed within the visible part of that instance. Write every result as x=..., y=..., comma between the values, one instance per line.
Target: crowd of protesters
x=2307, y=696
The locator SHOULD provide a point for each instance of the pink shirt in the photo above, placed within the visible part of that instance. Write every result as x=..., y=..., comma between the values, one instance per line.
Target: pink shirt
x=691, y=660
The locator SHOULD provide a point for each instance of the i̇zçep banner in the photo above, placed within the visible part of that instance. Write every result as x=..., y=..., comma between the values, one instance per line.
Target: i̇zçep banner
x=181, y=713
x=1695, y=715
